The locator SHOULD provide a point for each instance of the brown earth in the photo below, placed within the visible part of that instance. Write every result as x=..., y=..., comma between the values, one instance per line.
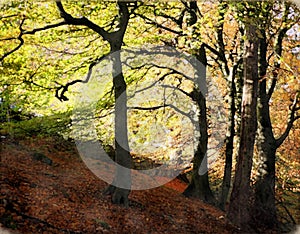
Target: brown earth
x=46, y=188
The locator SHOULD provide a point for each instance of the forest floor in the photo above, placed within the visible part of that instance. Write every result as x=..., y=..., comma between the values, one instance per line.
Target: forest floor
x=46, y=188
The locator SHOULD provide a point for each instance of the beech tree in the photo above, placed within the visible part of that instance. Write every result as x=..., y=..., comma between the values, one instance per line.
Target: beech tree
x=264, y=209
x=186, y=15
x=272, y=34
x=239, y=206
x=228, y=58
x=115, y=40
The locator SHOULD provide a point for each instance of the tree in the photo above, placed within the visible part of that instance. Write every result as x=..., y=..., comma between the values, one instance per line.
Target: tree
x=230, y=76
x=239, y=207
x=115, y=39
x=186, y=14
x=199, y=184
x=228, y=61
x=264, y=209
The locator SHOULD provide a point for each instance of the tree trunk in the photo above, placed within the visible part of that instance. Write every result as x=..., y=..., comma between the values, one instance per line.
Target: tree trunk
x=228, y=144
x=239, y=84
x=122, y=157
x=264, y=210
x=120, y=187
x=199, y=185
x=239, y=207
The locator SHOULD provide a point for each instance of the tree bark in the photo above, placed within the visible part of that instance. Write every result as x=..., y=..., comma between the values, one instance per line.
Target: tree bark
x=264, y=209
x=239, y=207
x=199, y=185
x=122, y=156
x=228, y=142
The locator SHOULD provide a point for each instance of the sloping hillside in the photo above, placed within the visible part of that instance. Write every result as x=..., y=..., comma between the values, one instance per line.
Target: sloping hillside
x=46, y=188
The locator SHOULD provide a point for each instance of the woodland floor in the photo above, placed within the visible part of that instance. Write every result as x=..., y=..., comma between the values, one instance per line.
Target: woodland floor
x=46, y=188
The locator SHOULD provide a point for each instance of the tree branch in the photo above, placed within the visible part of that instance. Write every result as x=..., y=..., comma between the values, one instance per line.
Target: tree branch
x=148, y=108
x=278, y=51
x=83, y=21
x=33, y=31
x=214, y=51
x=177, y=21
x=219, y=31
x=293, y=116
x=177, y=88
x=64, y=88
x=7, y=16
x=123, y=22
x=152, y=22
x=18, y=46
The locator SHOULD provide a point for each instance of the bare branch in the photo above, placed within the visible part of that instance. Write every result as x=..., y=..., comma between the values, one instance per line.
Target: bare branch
x=7, y=16
x=293, y=116
x=8, y=38
x=33, y=31
x=177, y=88
x=83, y=21
x=177, y=21
x=152, y=22
x=30, y=80
x=188, y=115
x=214, y=51
x=18, y=46
x=278, y=50
x=60, y=92
x=163, y=106
x=24, y=32
x=64, y=51
x=148, y=108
